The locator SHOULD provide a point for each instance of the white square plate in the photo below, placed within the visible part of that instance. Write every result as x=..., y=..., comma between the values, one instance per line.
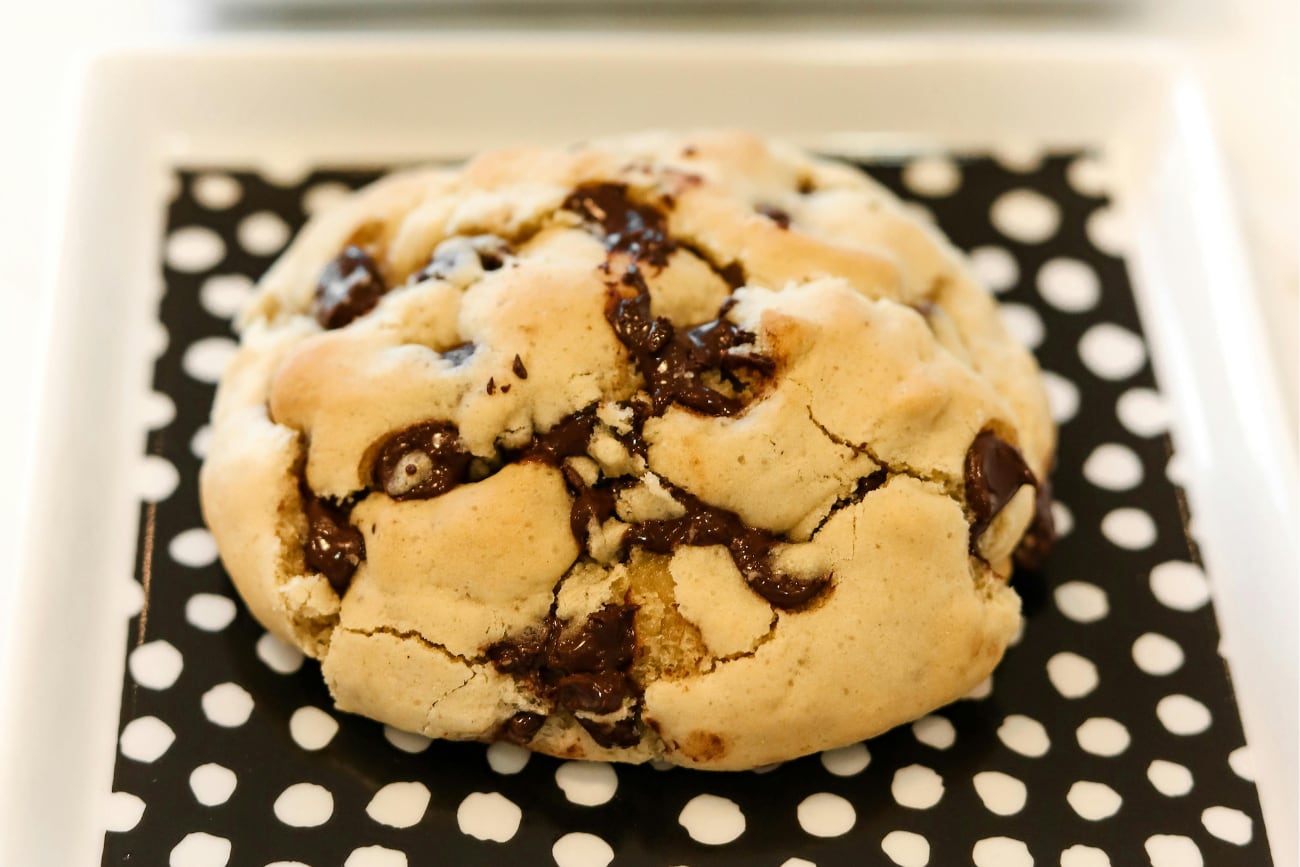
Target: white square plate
x=294, y=104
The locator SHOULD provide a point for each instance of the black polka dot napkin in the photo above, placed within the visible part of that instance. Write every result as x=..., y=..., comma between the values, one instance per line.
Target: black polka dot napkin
x=1108, y=736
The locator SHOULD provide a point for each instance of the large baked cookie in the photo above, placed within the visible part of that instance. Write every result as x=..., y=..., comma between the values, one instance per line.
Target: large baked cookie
x=688, y=447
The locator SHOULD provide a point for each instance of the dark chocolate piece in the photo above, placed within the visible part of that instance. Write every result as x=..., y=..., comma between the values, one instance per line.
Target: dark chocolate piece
x=734, y=274
x=589, y=504
x=640, y=231
x=521, y=728
x=422, y=461
x=350, y=286
x=599, y=692
x=624, y=733
x=776, y=215
x=995, y=471
x=333, y=547
x=492, y=385
x=517, y=367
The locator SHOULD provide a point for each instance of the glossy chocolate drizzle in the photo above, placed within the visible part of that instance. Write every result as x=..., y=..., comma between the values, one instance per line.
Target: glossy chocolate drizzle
x=349, y=286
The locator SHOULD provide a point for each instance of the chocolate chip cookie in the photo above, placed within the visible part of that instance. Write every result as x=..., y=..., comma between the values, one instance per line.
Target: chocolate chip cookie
x=691, y=447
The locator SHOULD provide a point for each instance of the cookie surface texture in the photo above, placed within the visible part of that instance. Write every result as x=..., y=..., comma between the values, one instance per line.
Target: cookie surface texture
x=690, y=447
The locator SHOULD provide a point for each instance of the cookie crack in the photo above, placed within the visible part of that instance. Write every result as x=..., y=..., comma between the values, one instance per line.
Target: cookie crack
x=893, y=468
x=719, y=661
x=416, y=636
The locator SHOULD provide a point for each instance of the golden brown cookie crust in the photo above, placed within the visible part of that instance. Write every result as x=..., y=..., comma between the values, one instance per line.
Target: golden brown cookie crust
x=476, y=410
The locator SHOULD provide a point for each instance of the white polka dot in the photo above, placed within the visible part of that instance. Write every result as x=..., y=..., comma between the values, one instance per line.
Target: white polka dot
x=212, y=784
x=1062, y=396
x=1172, y=850
x=1143, y=411
x=205, y=360
x=1069, y=285
x=155, y=664
x=1229, y=825
x=158, y=412
x=200, y=441
x=217, y=192
x=1107, y=231
x=994, y=267
x=1169, y=778
x=1026, y=216
x=1242, y=763
x=488, y=816
x=826, y=815
x=399, y=805
x=1183, y=715
x=1001, y=793
x=227, y=704
x=1062, y=518
x=312, y=728
x=1112, y=352
x=155, y=340
x=224, y=295
x=587, y=783
x=577, y=849
x=1093, y=801
x=1019, y=155
x=797, y=862
x=1072, y=675
x=932, y=176
x=194, y=248
x=712, y=820
x=906, y=849
x=194, y=548
x=375, y=856
x=287, y=864
x=1129, y=528
x=146, y=739
x=322, y=196
x=1081, y=602
x=262, y=233
x=407, y=742
x=506, y=758
x=1087, y=174
x=1001, y=852
x=209, y=611
x=1103, y=736
x=1180, y=585
x=934, y=731
x=981, y=690
x=917, y=787
x=123, y=813
x=1024, y=323
x=1156, y=654
x=1023, y=735
x=132, y=597
x=200, y=850
x=280, y=657
x=304, y=805
x=1114, y=467
x=156, y=478
x=284, y=168
x=846, y=761
x=1079, y=855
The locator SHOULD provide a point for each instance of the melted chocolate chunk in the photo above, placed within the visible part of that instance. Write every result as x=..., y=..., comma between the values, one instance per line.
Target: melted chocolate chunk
x=733, y=274
x=640, y=231
x=334, y=547
x=460, y=353
x=995, y=471
x=521, y=728
x=750, y=548
x=624, y=733
x=589, y=504
x=776, y=215
x=422, y=461
x=491, y=386
x=1040, y=538
x=517, y=367
x=805, y=185
x=579, y=667
x=350, y=286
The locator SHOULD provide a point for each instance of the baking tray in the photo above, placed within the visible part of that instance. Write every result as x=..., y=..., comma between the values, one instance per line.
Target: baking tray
x=1112, y=134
